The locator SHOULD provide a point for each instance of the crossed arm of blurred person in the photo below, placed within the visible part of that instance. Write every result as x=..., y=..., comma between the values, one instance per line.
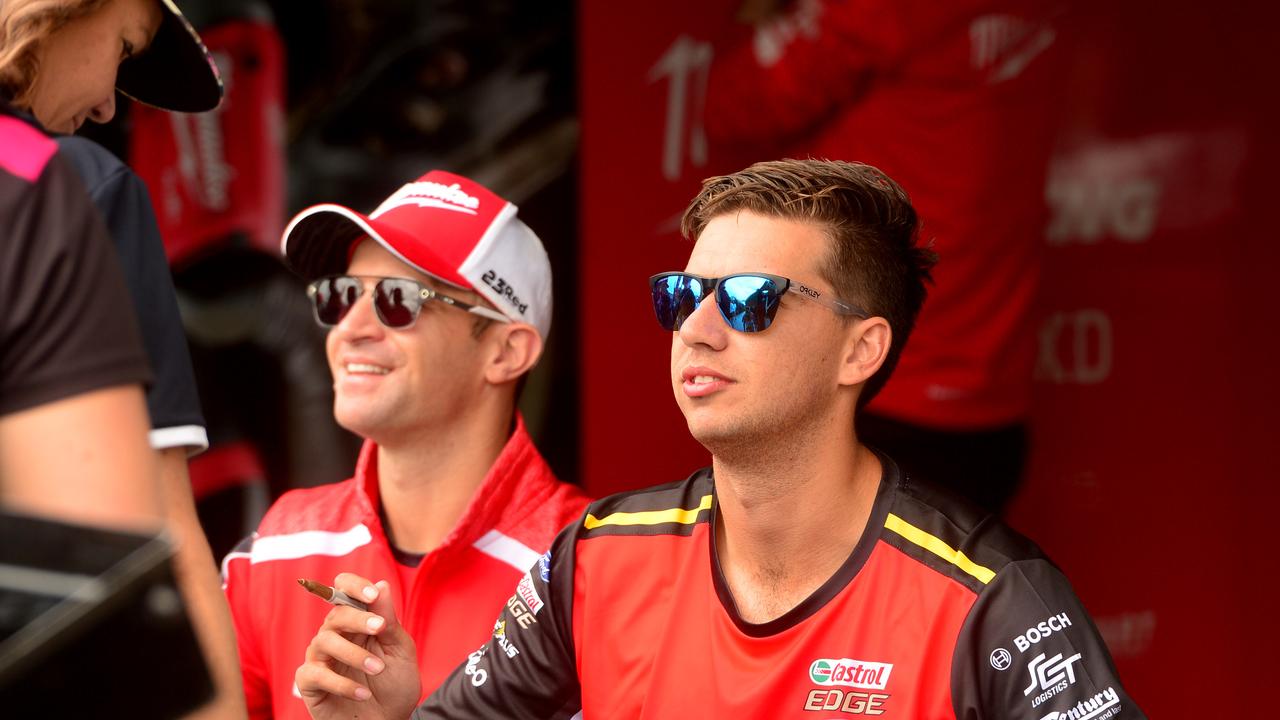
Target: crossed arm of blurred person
x=197, y=576
x=110, y=476
x=83, y=459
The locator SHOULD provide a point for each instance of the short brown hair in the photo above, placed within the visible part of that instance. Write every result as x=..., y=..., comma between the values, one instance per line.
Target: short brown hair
x=874, y=261
x=23, y=25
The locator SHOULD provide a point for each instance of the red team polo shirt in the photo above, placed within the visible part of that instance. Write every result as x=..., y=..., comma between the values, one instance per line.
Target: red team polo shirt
x=446, y=603
x=941, y=611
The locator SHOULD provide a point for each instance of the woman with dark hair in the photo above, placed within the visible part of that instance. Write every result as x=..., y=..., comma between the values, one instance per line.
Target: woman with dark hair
x=61, y=64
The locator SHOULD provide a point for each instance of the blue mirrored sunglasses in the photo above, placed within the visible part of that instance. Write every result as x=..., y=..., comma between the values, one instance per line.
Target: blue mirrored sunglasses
x=748, y=302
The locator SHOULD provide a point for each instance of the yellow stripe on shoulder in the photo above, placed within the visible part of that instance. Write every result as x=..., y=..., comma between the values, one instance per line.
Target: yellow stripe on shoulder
x=939, y=548
x=649, y=517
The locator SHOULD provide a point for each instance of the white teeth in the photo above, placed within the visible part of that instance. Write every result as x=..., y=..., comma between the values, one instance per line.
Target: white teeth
x=702, y=379
x=363, y=368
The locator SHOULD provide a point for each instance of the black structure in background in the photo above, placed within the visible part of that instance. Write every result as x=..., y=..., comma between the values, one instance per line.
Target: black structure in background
x=380, y=92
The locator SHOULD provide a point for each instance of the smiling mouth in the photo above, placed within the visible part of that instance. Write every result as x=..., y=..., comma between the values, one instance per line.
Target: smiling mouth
x=365, y=369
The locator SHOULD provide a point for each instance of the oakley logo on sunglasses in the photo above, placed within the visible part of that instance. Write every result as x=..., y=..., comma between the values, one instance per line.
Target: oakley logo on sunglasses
x=396, y=301
x=748, y=302
x=807, y=290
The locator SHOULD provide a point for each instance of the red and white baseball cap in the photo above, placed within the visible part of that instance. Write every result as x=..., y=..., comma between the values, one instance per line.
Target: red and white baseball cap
x=444, y=225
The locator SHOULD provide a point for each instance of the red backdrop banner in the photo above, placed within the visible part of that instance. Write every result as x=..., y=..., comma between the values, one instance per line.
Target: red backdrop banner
x=1154, y=403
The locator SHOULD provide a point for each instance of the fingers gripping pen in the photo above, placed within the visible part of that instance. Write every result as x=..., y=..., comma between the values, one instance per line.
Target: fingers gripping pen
x=330, y=595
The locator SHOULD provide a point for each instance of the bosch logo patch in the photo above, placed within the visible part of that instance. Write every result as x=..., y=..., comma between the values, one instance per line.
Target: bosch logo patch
x=1001, y=659
x=1040, y=631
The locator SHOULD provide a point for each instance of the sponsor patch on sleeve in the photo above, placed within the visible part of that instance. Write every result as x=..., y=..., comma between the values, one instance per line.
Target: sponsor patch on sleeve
x=1101, y=706
x=529, y=594
x=544, y=567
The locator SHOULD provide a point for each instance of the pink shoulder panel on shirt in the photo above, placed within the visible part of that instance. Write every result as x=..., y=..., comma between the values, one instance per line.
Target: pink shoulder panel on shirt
x=27, y=150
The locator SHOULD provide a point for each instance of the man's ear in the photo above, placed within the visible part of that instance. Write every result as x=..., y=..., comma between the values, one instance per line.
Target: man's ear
x=865, y=350
x=517, y=347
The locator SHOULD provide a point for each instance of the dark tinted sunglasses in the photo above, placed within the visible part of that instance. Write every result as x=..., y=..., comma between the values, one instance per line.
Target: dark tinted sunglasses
x=396, y=301
x=747, y=301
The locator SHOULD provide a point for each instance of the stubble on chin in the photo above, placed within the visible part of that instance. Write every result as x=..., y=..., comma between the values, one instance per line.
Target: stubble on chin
x=734, y=439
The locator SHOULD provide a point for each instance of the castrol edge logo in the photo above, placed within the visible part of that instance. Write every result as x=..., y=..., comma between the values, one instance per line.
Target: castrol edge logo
x=851, y=673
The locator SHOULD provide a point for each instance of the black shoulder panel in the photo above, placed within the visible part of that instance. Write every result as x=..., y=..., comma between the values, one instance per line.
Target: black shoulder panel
x=952, y=535
x=672, y=509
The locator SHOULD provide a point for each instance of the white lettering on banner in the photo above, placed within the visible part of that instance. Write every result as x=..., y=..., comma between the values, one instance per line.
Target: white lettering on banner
x=529, y=594
x=1090, y=339
x=202, y=162
x=1128, y=189
x=1010, y=41
x=430, y=194
x=1099, y=707
x=990, y=35
x=1052, y=675
x=685, y=57
x=1083, y=211
x=773, y=35
x=1041, y=630
x=1129, y=634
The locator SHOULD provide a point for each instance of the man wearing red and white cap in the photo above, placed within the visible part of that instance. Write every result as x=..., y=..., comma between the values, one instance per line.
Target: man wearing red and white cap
x=439, y=302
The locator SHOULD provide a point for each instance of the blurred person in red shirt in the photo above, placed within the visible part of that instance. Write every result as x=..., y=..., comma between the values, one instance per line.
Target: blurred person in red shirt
x=953, y=100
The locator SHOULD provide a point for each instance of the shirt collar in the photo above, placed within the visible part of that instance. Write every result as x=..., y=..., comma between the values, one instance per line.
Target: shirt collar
x=518, y=467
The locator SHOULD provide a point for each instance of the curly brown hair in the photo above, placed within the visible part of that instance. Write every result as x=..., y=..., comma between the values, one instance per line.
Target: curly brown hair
x=875, y=260
x=23, y=25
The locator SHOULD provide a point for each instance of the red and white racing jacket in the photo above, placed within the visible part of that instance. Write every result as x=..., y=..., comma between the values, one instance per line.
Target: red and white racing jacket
x=447, y=603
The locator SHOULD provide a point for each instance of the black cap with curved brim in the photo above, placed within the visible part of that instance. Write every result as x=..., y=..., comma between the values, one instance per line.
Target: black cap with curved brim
x=176, y=72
